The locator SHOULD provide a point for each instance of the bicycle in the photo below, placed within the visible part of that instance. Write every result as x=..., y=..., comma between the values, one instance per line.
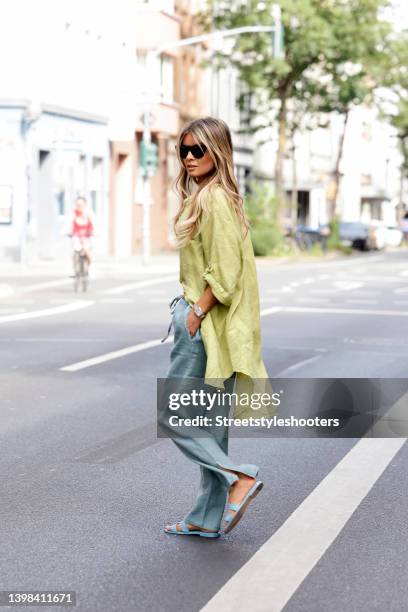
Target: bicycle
x=81, y=268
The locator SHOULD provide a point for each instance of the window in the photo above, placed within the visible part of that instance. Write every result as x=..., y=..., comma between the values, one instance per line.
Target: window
x=96, y=184
x=60, y=202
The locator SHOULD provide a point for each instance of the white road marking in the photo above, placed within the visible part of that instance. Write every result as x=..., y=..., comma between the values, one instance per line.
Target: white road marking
x=359, y=311
x=264, y=312
x=81, y=365
x=158, y=300
x=313, y=265
x=360, y=270
x=380, y=279
x=267, y=311
x=361, y=301
x=323, y=291
x=401, y=290
x=312, y=299
x=157, y=291
x=11, y=310
x=296, y=366
x=146, y=283
x=330, y=290
x=64, y=300
x=46, y=285
x=269, y=579
x=116, y=300
x=17, y=301
x=364, y=293
x=47, y=312
x=114, y=355
x=347, y=285
x=59, y=340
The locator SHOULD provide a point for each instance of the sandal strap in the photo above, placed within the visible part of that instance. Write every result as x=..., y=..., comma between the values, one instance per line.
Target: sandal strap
x=233, y=507
x=183, y=526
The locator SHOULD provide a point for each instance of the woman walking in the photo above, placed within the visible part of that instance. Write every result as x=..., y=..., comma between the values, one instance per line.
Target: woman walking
x=216, y=321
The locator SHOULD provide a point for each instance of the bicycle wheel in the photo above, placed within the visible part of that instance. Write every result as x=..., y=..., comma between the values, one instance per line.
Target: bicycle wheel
x=77, y=270
x=84, y=272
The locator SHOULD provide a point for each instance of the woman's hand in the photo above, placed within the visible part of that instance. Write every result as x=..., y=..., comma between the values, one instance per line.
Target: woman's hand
x=193, y=323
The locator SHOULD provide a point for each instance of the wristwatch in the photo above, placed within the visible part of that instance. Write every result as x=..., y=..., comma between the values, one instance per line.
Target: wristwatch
x=199, y=311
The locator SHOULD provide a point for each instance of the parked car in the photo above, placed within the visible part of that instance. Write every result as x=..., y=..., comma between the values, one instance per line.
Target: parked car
x=378, y=233
x=384, y=236
x=394, y=236
x=356, y=234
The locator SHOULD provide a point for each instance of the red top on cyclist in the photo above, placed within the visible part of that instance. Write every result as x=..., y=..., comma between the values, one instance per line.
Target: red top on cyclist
x=82, y=222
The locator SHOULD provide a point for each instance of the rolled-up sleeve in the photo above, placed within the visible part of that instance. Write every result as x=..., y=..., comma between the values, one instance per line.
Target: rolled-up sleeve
x=222, y=248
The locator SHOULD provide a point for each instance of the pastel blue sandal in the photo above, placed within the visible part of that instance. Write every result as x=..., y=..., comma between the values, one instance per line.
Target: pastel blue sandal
x=231, y=520
x=186, y=531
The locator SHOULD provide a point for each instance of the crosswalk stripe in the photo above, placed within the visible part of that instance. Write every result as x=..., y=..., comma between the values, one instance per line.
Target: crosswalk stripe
x=145, y=283
x=47, y=312
x=270, y=578
x=360, y=311
x=264, y=312
x=114, y=355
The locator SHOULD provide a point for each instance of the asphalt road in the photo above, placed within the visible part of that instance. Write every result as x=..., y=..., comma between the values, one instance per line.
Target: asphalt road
x=87, y=486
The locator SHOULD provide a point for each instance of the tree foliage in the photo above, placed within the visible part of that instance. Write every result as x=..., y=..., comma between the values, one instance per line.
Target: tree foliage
x=331, y=50
x=394, y=69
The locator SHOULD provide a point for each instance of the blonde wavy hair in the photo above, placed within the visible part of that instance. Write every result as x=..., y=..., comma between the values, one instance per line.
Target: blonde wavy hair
x=216, y=136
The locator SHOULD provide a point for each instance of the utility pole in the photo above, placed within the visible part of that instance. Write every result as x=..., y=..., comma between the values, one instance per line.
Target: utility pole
x=148, y=151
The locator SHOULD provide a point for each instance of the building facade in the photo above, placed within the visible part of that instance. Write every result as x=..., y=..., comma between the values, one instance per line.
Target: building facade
x=48, y=157
x=72, y=119
x=370, y=177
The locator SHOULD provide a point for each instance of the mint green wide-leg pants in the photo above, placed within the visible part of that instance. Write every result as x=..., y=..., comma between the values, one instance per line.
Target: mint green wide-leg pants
x=209, y=448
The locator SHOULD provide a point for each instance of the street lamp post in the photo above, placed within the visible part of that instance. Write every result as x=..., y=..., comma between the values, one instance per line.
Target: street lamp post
x=152, y=55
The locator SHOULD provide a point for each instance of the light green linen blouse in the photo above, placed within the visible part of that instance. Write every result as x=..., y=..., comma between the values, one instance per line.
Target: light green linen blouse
x=220, y=257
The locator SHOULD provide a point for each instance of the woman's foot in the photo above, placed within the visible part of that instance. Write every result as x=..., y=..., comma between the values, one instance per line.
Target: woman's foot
x=239, y=489
x=190, y=527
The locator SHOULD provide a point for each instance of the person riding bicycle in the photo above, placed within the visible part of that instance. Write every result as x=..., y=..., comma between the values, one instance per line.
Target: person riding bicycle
x=82, y=228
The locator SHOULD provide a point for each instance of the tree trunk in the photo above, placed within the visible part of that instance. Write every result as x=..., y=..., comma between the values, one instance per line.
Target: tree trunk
x=280, y=155
x=400, y=208
x=337, y=173
x=294, y=204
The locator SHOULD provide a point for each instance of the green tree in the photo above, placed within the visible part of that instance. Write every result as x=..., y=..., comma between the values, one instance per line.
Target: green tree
x=394, y=100
x=329, y=46
x=261, y=209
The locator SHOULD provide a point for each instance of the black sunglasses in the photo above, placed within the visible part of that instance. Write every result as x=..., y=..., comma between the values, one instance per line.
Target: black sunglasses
x=197, y=150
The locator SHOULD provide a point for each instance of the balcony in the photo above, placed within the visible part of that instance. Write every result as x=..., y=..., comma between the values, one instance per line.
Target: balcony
x=156, y=27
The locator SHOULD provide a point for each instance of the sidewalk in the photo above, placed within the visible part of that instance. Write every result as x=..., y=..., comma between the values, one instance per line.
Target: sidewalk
x=100, y=267
x=164, y=263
